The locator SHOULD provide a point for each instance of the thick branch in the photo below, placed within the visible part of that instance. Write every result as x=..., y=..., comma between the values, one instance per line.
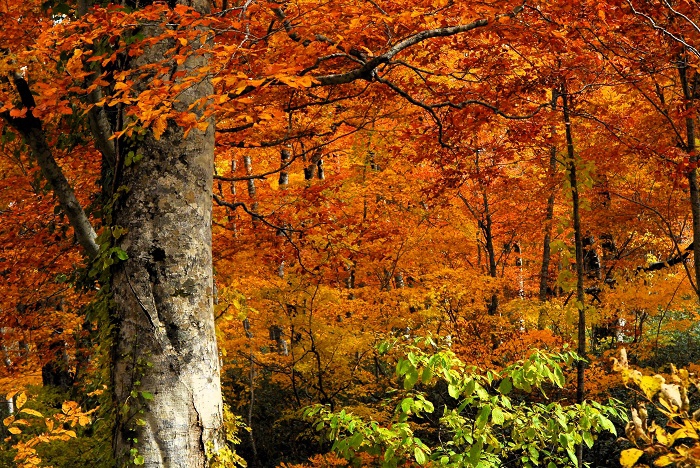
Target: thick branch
x=30, y=128
x=101, y=129
x=367, y=70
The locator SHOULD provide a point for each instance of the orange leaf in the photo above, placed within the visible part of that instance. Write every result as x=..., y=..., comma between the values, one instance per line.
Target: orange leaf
x=159, y=126
x=182, y=9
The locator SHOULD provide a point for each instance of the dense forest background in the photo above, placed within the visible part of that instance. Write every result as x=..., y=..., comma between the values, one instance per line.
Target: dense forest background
x=498, y=177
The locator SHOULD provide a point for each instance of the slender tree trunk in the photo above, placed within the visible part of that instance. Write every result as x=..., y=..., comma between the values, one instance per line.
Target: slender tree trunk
x=486, y=228
x=694, y=191
x=578, y=240
x=165, y=358
x=285, y=157
x=549, y=217
x=248, y=162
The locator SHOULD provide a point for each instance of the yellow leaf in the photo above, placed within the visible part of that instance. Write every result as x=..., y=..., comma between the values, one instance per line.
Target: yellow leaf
x=11, y=395
x=83, y=420
x=68, y=407
x=650, y=385
x=49, y=424
x=183, y=41
x=15, y=430
x=32, y=412
x=71, y=433
x=8, y=420
x=21, y=400
x=686, y=432
x=661, y=436
x=664, y=460
x=629, y=457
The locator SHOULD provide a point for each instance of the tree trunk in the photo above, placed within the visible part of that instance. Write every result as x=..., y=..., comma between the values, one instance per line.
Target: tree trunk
x=165, y=357
x=578, y=240
x=549, y=216
x=486, y=227
x=690, y=147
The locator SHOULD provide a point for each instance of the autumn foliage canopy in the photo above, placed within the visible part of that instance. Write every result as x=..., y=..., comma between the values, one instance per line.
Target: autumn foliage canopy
x=467, y=180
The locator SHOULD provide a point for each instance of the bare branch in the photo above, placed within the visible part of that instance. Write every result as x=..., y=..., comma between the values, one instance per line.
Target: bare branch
x=663, y=30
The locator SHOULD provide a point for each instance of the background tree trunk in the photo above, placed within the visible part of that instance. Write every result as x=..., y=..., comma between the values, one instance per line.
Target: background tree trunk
x=549, y=217
x=578, y=240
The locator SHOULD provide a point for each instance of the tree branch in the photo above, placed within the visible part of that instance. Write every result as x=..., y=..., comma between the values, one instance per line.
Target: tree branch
x=31, y=129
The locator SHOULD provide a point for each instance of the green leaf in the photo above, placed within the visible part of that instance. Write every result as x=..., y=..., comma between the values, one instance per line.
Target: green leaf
x=497, y=415
x=411, y=379
x=588, y=439
x=389, y=454
x=384, y=346
x=563, y=440
x=505, y=386
x=453, y=391
x=129, y=158
x=475, y=452
x=469, y=388
x=421, y=458
x=356, y=440
x=147, y=395
x=606, y=424
x=483, y=416
x=427, y=375
x=406, y=405
x=559, y=379
x=139, y=460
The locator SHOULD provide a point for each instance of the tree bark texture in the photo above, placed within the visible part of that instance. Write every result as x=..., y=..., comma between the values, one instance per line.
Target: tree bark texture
x=166, y=361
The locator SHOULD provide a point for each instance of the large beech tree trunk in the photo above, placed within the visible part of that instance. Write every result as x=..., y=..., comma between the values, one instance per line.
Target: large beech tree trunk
x=165, y=361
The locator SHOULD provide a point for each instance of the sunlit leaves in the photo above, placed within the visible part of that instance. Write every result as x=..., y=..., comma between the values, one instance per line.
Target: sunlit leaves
x=475, y=425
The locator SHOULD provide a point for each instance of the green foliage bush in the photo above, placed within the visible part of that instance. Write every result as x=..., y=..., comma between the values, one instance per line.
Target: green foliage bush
x=483, y=422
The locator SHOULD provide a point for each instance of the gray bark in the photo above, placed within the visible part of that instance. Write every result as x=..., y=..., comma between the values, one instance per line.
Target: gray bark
x=165, y=342
x=251, y=188
x=285, y=157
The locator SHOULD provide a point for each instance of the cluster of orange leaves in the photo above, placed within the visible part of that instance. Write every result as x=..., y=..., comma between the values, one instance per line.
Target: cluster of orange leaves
x=59, y=426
